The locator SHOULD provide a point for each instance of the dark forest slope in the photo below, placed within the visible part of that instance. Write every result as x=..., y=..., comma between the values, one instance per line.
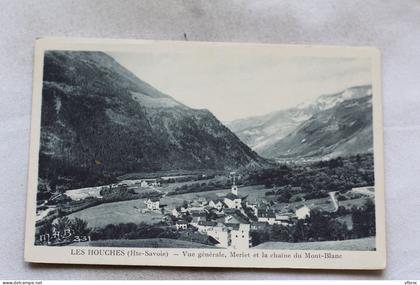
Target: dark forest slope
x=99, y=120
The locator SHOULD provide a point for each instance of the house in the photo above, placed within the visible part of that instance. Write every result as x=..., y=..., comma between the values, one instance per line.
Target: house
x=152, y=182
x=214, y=214
x=228, y=235
x=240, y=238
x=284, y=219
x=261, y=207
x=235, y=218
x=228, y=218
x=148, y=182
x=127, y=182
x=303, y=212
x=252, y=203
x=266, y=215
x=217, y=204
x=202, y=201
x=195, y=206
x=233, y=201
x=176, y=213
x=181, y=225
x=204, y=226
x=152, y=203
x=215, y=230
x=198, y=216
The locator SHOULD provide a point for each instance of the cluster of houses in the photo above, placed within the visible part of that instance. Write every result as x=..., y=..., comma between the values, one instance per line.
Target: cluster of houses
x=228, y=219
x=152, y=182
x=153, y=204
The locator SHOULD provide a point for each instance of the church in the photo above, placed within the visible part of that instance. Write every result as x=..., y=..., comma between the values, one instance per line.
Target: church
x=233, y=200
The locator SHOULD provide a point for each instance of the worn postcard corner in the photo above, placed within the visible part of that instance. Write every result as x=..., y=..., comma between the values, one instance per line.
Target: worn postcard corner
x=206, y=154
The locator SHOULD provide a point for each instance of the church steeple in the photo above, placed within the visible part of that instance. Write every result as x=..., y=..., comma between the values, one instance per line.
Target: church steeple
x=234, y=188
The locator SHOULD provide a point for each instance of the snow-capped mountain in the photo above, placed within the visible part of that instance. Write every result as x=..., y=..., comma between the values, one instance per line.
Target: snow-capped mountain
x=328, y=101
x=272, y=135
x=261, y=132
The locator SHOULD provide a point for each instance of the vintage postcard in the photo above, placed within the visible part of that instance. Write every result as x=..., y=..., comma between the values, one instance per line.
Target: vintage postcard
x=169, y=153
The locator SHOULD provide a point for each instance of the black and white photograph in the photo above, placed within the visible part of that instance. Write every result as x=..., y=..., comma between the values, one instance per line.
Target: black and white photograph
x=206, y=146
x=210, y=140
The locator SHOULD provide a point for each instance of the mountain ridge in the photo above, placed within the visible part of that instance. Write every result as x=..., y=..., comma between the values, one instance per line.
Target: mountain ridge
x=99, y=121
x=264, y=134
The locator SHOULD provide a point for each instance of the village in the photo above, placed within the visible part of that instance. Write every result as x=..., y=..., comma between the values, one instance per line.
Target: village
x=228, y=217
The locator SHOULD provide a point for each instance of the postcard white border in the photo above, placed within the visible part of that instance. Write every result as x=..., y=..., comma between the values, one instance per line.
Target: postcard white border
x=350, y=259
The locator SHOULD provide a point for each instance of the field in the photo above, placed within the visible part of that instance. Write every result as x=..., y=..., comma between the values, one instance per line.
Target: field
x=79, y=194
x=130, y=211
x=146, y=243
x=325, y=204
x=117, y=212
x=169, y=187
x=253, y=192
x=354, y=202
x=362, y=244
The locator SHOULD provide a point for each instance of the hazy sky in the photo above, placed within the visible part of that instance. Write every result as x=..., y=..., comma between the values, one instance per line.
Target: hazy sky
x=237, y=83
